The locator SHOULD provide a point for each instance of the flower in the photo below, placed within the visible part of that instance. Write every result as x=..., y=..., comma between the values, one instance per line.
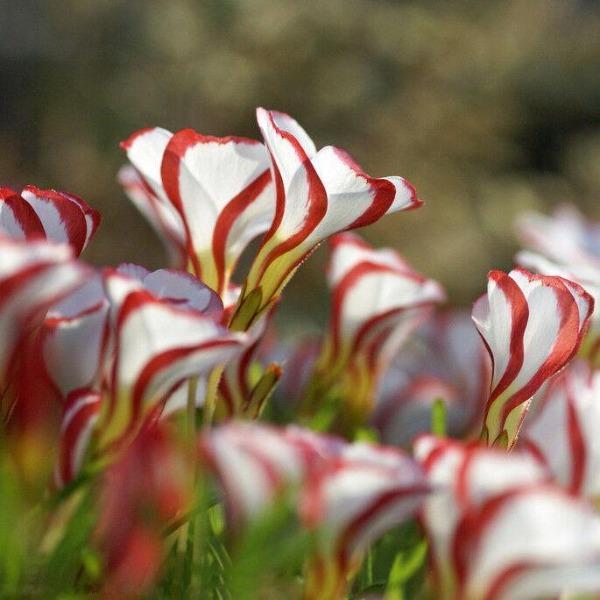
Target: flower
x=565, y=245
x=33, y=275
x=532, y=326
x=350, y=494
x=564, y=430
x=47, y=214
x=377, y=300
x=158, y=345
x=318, y=194
x=353, y=499
x=565, y=238
x=220, y=189
x=463, y=476
x=533, y=542
x=256, y=463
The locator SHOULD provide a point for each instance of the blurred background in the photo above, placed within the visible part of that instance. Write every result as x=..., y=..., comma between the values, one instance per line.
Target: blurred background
x=488, y=107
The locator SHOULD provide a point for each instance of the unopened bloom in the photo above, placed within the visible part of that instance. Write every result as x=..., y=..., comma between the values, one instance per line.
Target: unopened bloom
x=532, y=326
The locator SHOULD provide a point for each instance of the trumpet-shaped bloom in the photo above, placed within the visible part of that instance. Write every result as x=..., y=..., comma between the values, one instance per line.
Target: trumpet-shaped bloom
x=447, y=361
x=33, y=276
x=532, y=326
x=377, y=301
x=563, y=432
x=318, y=194
x=462, y=477
x=350, y=493
x=220, y=189
x=158, y=344
x=47, y=214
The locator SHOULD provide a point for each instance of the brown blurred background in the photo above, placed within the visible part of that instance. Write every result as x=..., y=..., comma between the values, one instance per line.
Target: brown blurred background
x=489, y=107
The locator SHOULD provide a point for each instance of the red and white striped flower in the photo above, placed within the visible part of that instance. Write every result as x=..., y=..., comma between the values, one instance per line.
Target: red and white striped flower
x=33, y=276
x=532, y=326
x=47, y=214
x=446, y=361
x=319, y=193
x=353, y=499
x=563, y=432
x=532, y=542
x=255, y=463
x=220, y=188
x=462, y=477
x=567, y=245
x=377, y=301
x=158, y=345
x=80, y=414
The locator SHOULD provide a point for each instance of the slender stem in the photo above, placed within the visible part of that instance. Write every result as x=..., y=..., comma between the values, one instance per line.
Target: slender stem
x=212, y=388
x=191, y=408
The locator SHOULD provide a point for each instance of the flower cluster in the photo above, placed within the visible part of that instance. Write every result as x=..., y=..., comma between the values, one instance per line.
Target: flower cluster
x=171, y=428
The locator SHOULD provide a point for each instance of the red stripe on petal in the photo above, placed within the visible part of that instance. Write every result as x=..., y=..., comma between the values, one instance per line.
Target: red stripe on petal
x=228, y=216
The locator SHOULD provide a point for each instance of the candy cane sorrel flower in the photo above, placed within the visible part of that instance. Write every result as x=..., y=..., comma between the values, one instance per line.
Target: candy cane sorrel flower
x=47, y=214
x=220, y=194
x=377, y=300
x=532, y=326
x=463, y=476
x=353, y=499
x=158, y=345
x=318, y=194
x=563, y=431
x=33, y=275
x=567, y=245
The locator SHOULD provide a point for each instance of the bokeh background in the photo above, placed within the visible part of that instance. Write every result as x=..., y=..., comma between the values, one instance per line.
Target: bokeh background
x=488, y=107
